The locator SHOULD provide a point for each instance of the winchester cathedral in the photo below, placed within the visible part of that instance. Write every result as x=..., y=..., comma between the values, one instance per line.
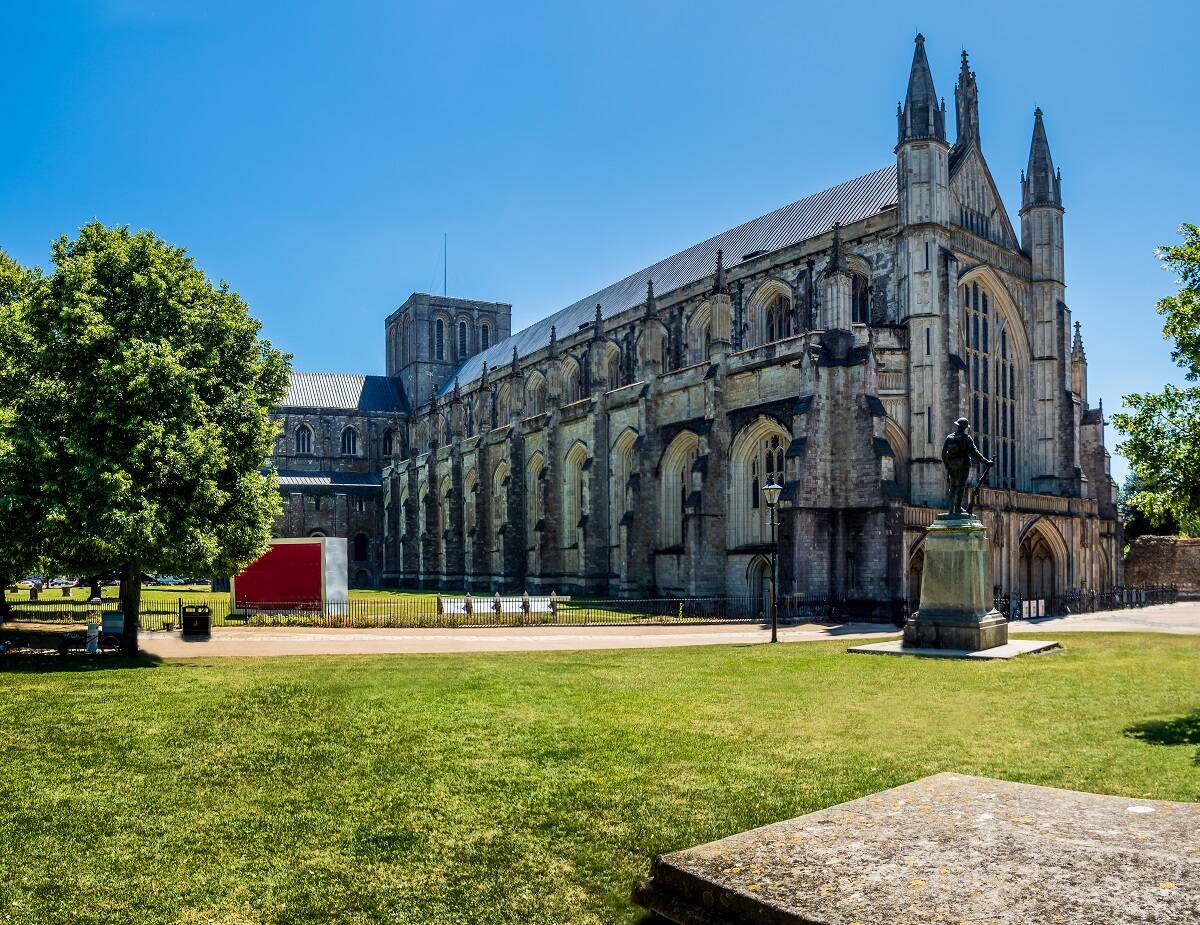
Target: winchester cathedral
x=620, y=446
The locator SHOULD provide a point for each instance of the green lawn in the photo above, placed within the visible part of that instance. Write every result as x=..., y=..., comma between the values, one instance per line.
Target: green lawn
x=519, y=788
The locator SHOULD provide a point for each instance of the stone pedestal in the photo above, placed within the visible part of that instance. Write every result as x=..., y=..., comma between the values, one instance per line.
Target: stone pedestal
x=956, y=591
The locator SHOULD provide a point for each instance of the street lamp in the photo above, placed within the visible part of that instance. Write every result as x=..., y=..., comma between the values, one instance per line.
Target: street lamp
x=771, y=492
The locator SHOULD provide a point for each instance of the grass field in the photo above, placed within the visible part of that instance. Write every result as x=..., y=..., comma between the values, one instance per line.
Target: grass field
x=200, y=594
x=519, y=788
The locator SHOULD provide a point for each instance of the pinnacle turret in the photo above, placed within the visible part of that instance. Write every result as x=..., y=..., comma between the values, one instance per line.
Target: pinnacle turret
x=921, y=116
x=1040, y=185
x=966, y=106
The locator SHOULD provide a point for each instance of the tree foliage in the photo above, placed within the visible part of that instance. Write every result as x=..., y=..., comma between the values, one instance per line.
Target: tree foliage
x=19, y=549
x=1163, y=428
x=143, y=425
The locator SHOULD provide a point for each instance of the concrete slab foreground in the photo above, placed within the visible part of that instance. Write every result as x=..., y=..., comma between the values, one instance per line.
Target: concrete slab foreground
x=1011, y=649
x=948, y=848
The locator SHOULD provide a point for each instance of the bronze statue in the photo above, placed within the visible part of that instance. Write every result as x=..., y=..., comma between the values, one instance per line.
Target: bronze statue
x=958, y=453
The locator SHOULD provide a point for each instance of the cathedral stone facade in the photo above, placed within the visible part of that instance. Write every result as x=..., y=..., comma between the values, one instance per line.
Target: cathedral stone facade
x=620, y=446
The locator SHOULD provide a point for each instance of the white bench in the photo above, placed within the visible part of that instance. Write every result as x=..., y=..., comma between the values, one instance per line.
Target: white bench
x=485, y=605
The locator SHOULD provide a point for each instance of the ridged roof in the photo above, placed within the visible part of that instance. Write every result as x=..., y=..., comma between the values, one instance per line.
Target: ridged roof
x=344, y=392
x=296, y=478
x=846, y=203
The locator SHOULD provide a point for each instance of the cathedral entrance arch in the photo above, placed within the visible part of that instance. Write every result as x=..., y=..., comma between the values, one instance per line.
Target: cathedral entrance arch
x=1041, y=562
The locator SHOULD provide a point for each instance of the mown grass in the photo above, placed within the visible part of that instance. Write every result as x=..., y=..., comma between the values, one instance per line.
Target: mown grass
x=516, y=788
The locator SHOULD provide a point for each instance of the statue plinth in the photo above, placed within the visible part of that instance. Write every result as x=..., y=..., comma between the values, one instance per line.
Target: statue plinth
x=956, y=609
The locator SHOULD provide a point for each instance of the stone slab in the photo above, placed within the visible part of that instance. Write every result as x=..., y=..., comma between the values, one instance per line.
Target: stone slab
x=1011, y=649
x=947, y=848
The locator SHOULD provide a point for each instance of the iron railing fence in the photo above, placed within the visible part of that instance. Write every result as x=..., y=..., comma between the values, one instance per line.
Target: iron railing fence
x=434, y=611
x=1016, y=607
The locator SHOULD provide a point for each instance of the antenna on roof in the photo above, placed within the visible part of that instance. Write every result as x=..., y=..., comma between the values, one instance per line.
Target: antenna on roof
x=445, y=265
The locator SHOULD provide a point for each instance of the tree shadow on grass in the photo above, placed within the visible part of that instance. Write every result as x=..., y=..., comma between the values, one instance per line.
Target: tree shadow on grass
x=35, y=649
x=1182, y=730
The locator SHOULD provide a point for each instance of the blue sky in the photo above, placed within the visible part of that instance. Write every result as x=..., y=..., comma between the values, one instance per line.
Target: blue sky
x=314, y=154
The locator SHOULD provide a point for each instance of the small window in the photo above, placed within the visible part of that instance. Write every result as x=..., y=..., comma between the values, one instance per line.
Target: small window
x=462, y=339
x=349, y=442
x=485, y=336
x=439, y=339
x=360, y=505
x=860, y=311
x=316, y=502
x=304, y=440
x=388, y=447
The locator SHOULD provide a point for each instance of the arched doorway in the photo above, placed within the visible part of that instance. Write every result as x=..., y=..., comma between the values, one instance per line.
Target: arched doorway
x=916, y=568
x=758, y=580
x=1038, y=568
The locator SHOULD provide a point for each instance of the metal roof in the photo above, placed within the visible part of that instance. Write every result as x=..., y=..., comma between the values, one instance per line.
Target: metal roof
x=344, y=392
x=846, y=203
x=295, y=478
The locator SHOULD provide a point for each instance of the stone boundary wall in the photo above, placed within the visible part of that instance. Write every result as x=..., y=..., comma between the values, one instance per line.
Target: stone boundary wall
x=1164, y=560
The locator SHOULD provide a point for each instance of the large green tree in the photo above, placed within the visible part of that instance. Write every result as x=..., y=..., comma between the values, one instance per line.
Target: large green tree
x=1163, y=428
x=143, y=428
x=19, y=513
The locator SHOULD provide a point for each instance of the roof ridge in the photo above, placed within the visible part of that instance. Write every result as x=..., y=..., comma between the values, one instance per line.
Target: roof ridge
x=845, y=202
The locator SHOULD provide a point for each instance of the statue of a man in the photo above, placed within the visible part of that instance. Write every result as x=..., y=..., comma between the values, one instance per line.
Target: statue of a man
x=958, y=453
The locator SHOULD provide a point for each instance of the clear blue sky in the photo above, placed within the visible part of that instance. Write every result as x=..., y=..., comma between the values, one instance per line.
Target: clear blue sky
x=313, y=154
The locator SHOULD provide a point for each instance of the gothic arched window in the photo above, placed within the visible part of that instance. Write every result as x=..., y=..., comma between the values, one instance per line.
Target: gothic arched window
x=304, y=437
x=388, y=446
x=349, y=442
x=993, y=380
x=756, y=459
x=485, y=336
x=860, y=300
x=462, y=339
x=676, y=479
x=439, y=339
x=775, y=318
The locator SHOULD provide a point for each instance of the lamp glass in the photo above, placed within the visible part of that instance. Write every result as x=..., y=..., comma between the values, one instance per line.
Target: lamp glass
x=772, y=492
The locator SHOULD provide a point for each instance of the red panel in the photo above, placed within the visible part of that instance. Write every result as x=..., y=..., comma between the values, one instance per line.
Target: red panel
x=287, y=573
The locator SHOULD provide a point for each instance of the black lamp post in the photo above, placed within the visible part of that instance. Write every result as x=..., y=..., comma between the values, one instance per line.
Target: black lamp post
x=771, y=492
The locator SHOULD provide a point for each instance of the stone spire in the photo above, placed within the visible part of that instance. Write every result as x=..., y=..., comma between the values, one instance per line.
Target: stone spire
x=516, y=366
x=553, y=339
x=921, y=116
x=1077, y=346
x=719, y=282
x=1040, y=185
x=599, y=322
x=651, y=304
x=483, y=376
x=966, y=106
x=1079, y=367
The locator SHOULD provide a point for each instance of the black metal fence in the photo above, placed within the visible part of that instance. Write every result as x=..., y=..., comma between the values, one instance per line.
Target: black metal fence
x=1018, y=608
x=447, y=611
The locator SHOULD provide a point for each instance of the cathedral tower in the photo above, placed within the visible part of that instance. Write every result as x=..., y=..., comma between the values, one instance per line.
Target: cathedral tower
x=1055, y=454
x=922, y=158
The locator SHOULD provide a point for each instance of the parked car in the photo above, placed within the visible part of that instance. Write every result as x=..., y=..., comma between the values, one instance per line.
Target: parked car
x=170, y=580
x=62, y=583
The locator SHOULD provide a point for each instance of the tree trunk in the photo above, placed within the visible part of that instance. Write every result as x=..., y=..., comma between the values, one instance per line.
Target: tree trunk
x=4, y=611
x=131, y=606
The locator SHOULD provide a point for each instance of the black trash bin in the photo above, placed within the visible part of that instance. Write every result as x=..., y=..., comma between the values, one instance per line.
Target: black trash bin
x=196, y=620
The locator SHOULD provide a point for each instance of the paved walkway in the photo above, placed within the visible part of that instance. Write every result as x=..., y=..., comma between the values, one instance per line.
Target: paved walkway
x=260, y=641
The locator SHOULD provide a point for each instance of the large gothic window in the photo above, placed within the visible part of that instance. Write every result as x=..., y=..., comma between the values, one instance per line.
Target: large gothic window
x=349, y=442
x=775, y=318
x=535, y=510
x=574, y=507
x=860, y=300
x=439, y=339
x=462, y=339
x=499, y=502
x=757, y=459
x=675, y=477
x=485, y=336
x=620, y=469
x=304, y=440
x=994, y=381
x=388, y=443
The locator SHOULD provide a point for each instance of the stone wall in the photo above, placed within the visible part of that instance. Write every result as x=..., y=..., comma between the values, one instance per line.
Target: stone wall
x=1164, y=560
